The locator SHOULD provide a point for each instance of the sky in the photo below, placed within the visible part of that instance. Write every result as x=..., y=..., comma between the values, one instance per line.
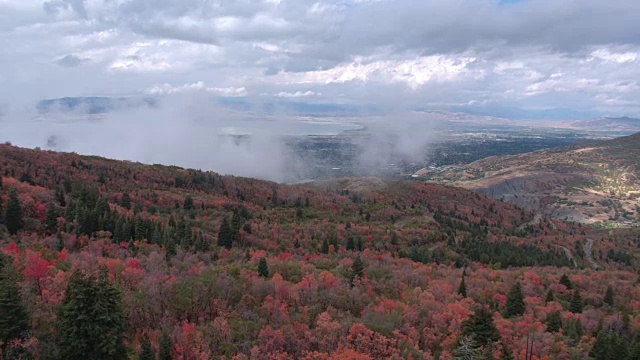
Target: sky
x=526, y=58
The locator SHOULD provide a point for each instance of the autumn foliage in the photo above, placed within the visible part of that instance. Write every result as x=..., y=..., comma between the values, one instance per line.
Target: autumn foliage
x=207, y=266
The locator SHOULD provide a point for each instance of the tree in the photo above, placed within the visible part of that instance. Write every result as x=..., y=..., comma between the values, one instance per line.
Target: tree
x=554, y=322
x=357, y=269
x=274, y=198
x=125, y=201
x=225, y=234
x=91, y=306
x=51, y=220
x=564, y=280
x=13, y=216
x=608, y=296
x=462, y=290
x=146, y=351
x=515, y=301
x=467, y=349
x=263, y=269
x=576, y=305
x=325, y=247
x=188, y=202
x=14, y=320
x=165, y=347
x=351, y=245
x=480, y=325
x=505, y=354
x=550, y=296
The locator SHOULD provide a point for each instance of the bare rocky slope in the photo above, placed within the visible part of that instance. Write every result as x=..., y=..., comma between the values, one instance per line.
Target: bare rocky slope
x=589, y=182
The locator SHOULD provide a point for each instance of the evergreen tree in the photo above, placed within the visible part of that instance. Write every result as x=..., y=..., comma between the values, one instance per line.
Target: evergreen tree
x=515, y=301
x=146, y=351
x=91, y=322
x=165, y=347
x=14, y=321
x=51, y=220
x=351, y=245
x=462, y=289
x=480, y=325
x=550, y=296
x=13, y=216
x=170, y=249
x=60, y=197
x=554, y=322
x=125, y=201
x=225, y=236
x=634, y=351
x=576, y=305
x=263, y=269
x=188, y=203
x=325, y=247
x=573, y=329
x=564, y=280
x=274, y=198
x=357, y=269
x=608, y=296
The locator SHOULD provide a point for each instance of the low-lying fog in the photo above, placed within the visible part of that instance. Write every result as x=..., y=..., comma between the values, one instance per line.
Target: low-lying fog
x=196, y=133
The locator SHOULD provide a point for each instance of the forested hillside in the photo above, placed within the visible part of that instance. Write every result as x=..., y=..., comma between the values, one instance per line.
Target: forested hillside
x=103, y=259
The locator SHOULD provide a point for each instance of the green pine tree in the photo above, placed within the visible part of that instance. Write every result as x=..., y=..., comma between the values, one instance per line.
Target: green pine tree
x=325, y=247
x=351, y=245
x=515, y=301
x=357, y=269
x=14, y=321
x=608, y=296
x=51, y=219
x=263, y=269
x=554, y=322
x=13, y=216
x=550, y=296
x=462, y=289
x=188, y=203
x=146, y=351
x=576, y=305
x=564, y=280
x=225, y=234
x=634, y=351
x=480, y=325
x=125, y=201
x=91, y=306
x=165, y=346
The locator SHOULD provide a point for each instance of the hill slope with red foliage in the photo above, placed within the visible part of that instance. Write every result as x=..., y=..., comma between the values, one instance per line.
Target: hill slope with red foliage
x=355, y=268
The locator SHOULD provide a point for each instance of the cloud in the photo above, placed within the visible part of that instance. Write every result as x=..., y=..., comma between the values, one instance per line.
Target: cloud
x=398, y=55
x=168, y=89
x=71, y=61
x=297, y=94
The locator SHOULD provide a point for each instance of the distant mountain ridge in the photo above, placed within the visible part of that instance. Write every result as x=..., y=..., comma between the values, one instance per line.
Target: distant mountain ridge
x=92, y=105
x=605, y=124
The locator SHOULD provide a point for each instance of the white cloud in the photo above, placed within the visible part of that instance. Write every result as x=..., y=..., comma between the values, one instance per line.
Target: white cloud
x=411, y=72
x=402, y=53
x=297, y=94
x=168, y=89
x=608, y=56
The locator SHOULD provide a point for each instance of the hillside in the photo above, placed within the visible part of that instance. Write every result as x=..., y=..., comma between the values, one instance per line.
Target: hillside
x=202, y=266
x=604, y=124
x=589, y=182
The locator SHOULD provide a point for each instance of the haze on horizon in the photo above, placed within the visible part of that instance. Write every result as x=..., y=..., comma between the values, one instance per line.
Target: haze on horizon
x=529, y=59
